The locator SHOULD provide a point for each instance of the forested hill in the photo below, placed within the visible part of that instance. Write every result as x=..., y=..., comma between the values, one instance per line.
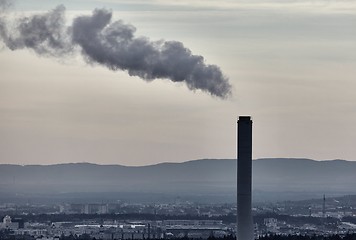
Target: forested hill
x=207, y=176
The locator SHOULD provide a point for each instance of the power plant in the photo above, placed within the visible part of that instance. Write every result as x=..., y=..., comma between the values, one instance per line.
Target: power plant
x=244, y=179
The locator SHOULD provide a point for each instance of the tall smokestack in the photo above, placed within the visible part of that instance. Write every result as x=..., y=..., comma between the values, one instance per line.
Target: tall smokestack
x=244, y=179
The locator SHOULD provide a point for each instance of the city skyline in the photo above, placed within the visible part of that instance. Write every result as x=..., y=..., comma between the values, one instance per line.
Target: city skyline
x=290, y=64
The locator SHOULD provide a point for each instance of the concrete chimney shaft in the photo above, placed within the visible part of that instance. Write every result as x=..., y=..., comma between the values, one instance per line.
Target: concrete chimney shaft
x=245, y=229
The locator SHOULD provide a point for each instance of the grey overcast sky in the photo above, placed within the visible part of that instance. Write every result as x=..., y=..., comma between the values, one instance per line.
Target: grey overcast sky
x=291, y=64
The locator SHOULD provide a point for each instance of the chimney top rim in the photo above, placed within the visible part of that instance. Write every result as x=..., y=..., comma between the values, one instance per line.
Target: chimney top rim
x=244, y=118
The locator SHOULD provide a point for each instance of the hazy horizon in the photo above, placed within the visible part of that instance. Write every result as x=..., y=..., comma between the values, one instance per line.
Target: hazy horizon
x=273, y=180
x=168, y=162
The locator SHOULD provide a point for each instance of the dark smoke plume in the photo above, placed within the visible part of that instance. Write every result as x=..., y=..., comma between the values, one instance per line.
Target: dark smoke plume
x=46, y=34
x=4, y=5
x=114, y=45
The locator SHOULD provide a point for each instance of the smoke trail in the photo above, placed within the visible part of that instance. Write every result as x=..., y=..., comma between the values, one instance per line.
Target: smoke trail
x=113, y=44
x=4, y=5
x=45, y=34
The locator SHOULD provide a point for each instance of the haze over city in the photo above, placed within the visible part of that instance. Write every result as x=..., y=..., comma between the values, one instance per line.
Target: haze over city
x=290, y=65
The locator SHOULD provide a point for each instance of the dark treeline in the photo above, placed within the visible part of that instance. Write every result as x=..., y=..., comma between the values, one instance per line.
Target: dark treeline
x=4, y=236
x=274, y=237
x=293, y=237
x=128, y=216
x=231, y=218
x=349, y=219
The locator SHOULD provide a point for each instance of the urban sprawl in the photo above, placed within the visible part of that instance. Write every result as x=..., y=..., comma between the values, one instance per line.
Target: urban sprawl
x=122, y=220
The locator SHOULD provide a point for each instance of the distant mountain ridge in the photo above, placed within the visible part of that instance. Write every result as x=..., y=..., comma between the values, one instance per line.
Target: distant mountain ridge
x=205, y=176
